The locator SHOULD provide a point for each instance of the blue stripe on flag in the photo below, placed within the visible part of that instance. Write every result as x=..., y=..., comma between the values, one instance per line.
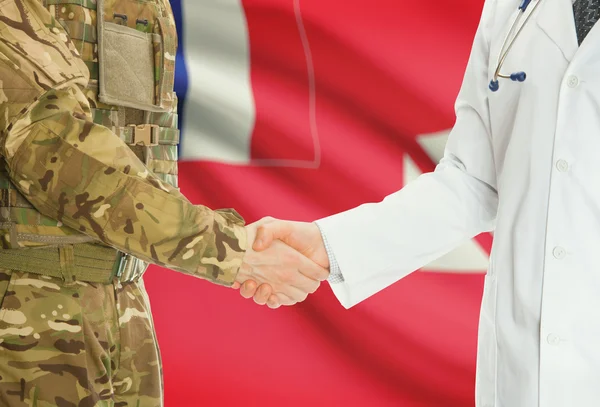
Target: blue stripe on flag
x=181, y=75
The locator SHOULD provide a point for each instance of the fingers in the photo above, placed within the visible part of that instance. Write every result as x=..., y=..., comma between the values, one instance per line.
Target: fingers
x=287, y=273
x=309, y=274
x=269, y=231
x=236, y=285
x=306, y=286
x=280, y=299
x=295, y=294
x=279, y=270
x=262, y=294
x=273, y=302
x=315, y=272
x=248, y=289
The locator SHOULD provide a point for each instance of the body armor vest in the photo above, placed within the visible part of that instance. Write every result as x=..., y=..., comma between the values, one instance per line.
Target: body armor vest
x=129, y=47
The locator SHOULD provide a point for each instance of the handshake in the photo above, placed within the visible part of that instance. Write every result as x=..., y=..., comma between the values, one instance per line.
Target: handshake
x=284, y=262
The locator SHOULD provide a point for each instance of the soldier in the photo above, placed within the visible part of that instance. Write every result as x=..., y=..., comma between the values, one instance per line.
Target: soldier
x=88, y=197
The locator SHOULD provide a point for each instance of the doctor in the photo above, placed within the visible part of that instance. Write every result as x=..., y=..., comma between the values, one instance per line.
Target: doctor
x=523, y=159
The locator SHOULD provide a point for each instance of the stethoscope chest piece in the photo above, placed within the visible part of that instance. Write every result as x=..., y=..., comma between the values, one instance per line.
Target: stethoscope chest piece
x=507, y=44
x=515, y=77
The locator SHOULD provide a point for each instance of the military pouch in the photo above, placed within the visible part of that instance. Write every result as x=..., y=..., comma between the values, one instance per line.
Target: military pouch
x=132, y=62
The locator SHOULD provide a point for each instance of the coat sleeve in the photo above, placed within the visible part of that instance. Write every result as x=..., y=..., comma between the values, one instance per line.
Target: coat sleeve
x=82, y=174
x=377, y=244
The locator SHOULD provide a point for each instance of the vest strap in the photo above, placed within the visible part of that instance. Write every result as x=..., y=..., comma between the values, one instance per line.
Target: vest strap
x=148, y=135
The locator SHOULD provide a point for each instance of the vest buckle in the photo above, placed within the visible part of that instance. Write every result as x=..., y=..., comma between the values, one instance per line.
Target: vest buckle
x=144, y=134
x=127, y=268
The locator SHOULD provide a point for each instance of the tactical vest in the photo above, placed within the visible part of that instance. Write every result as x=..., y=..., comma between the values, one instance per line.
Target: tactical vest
x=129, y=47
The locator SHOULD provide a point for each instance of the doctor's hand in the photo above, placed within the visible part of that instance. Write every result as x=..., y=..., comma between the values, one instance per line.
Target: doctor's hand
x=283, y=272
x=304, y=237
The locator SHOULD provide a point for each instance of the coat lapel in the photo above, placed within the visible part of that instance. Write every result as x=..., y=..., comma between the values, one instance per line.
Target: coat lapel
x=555, y=18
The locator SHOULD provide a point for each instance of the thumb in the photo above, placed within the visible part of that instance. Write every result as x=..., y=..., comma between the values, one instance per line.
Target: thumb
x=268, y=232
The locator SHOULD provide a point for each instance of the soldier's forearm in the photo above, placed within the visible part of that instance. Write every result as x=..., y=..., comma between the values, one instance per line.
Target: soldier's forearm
x=86, y=177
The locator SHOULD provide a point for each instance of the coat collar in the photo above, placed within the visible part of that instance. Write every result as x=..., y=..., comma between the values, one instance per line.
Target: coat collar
x=556, y=19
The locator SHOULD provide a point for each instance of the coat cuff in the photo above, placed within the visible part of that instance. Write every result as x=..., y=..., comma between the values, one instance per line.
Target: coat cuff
x=335, y=273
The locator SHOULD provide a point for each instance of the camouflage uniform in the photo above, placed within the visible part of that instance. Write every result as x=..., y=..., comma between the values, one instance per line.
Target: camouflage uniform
x=88, y=197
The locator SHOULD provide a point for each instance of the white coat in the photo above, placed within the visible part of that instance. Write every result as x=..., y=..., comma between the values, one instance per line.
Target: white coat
x=525, y=162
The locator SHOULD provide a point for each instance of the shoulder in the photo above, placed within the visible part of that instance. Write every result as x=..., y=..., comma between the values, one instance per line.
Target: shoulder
x=35, y=47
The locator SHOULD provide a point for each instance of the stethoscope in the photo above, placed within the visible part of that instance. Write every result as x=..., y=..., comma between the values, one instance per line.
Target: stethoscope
x=507, y=45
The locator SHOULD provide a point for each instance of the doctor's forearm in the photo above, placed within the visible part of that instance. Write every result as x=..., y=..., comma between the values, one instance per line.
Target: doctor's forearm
x=377, y=244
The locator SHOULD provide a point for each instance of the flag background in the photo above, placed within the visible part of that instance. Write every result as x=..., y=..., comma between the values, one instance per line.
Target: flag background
x=300, y=109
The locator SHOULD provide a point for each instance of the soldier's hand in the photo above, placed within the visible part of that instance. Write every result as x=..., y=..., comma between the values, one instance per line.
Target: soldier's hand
x=286, y=276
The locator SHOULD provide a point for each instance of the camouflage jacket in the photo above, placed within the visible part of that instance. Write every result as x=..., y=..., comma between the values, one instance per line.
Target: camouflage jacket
x=80, y=173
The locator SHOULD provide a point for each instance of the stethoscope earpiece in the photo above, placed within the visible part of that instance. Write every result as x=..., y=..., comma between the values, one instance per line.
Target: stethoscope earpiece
x=524, y=4
x=494, y=86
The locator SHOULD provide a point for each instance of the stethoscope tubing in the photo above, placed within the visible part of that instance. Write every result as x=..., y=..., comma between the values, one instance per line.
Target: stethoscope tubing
x=508, y=43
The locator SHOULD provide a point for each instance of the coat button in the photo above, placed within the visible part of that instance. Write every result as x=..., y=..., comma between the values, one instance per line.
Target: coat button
x=71, y=15
x=562, y=165
x=572, y=81
x=559, y=252
x=553, y=339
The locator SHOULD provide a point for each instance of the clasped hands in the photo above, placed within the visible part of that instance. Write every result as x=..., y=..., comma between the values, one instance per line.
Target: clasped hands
x=284, y=262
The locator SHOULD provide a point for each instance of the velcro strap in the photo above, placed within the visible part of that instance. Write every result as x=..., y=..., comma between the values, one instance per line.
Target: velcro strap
x=163, y=152
x=67, y=263
x=168, y=136
x=163, y=119
x=86, y=262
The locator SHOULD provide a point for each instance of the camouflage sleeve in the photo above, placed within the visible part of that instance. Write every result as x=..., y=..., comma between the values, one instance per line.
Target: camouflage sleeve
x=81, y=173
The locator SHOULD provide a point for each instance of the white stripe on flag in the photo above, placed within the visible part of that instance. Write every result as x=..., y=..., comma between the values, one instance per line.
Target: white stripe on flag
x=219, y=110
